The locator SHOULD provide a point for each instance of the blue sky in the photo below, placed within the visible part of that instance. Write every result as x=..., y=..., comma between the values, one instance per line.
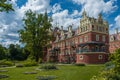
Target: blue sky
x=64, y=12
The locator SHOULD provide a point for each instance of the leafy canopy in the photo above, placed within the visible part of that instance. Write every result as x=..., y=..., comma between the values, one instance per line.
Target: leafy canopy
x=35, y=34
x=4, y=6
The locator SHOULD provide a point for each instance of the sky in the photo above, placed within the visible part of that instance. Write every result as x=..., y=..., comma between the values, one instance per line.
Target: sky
x=63, y=13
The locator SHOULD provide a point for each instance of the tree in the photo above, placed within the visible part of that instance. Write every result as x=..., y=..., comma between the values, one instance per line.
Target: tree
x=115, y=59
x=2, y=53
x=16, y=52
x=35, y=34
x=5, y=6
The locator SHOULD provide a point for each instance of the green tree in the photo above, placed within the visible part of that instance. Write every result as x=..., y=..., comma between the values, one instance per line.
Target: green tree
x=16, y=52
x=5, y=6
x=2, y=53
x=35, y=34
x=115, y=59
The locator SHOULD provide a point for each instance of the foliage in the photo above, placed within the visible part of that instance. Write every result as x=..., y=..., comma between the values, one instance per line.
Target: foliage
x=29, y=63
x=112, y=68
x=16, y=52
x=2, y=52
x=80, y=64
x=110, y=75
x=115, y=59
x=109, y=65
x=35, y=34
x=5, y=6
x=49, y=67
x=6, y=63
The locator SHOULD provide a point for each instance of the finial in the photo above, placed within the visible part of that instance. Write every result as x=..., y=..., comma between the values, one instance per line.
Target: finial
x=84, y=13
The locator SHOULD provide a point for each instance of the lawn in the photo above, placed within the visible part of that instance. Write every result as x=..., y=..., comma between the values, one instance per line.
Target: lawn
x=64, y=72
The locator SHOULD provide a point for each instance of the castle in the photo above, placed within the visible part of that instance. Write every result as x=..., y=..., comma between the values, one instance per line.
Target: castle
x=89, y=43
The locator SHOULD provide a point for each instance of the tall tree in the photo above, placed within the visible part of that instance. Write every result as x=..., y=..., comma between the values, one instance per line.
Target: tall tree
x=5, y=6
x=35, y=33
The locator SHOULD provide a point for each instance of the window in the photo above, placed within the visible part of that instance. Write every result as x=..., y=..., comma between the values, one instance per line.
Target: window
x=106, y=30
x=103, y=48
x=86, y=28
x=93, y=27
x=97, y=37
x=103, y=38
x=81, y=40
x=97, y=49
x=81, y=57
x=76, y=40
x=86, y=38
x=100, y=57
x=81, y=29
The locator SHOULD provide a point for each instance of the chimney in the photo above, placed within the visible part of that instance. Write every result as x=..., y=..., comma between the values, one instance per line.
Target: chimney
x=116, y=30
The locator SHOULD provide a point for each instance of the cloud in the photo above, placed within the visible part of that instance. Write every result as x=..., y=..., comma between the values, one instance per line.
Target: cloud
x=11, y=22
x=94, y=7
x=117, y=21
x=64, y=19
x=56, y=8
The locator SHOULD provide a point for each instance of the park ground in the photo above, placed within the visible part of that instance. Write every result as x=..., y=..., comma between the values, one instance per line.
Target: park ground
x=64, y=72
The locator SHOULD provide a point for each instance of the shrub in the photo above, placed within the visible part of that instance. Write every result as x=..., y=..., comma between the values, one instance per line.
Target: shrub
x=30, y=63
x=80, y=64
x=48, y=67
x=110, y=75
x=19, y=65
x=5, y=63
x=109, y=65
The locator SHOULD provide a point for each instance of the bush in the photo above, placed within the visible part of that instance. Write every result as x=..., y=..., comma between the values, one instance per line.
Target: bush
x=80, y=64
x=6, y=63
x=30, y=63
x=109, y=65
x=19, y=65
x=48, y=67
x=110, y=75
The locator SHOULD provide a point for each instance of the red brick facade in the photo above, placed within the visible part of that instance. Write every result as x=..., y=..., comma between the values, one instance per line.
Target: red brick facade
x=114, y=42
x=88, y=44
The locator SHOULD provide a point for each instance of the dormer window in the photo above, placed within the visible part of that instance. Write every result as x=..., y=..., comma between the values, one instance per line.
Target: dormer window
x=112, y=38
x=93, y=27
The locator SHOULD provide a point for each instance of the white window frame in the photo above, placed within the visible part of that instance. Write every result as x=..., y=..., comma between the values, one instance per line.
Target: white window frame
x=100, y=56
x=103, y=38
x=86, y=38
x=97, y=37
x=81, y=57
x=81, y=40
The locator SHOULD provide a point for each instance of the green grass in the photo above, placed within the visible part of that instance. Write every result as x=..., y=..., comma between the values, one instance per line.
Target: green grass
x=64, y=72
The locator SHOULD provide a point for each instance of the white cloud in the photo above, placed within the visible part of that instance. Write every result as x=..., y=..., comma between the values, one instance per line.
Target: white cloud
x=115, y=25
x=94, y=7
x=11, y=22
x=117, y=21
x=56, y=8
x=64, y=19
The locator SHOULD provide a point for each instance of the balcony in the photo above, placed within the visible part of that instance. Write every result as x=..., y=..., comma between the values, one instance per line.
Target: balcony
x=89, y=51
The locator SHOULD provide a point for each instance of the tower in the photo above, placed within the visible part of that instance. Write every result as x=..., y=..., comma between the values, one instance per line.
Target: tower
x=93, y=40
